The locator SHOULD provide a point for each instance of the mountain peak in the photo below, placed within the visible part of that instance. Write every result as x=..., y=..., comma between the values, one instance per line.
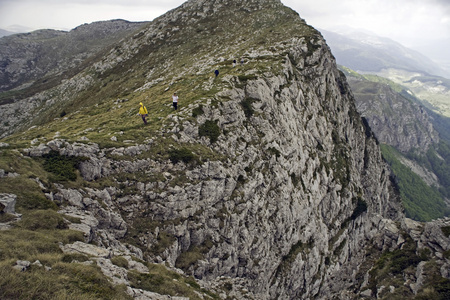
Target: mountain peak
x=265, y=183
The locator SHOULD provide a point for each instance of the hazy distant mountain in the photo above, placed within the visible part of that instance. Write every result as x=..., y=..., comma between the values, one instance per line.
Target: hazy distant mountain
x=438, y=51
x=365, y=52
x=27, y=57
x=5, y=33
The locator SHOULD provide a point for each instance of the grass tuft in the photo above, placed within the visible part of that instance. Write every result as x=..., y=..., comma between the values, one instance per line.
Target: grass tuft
x=42, y=219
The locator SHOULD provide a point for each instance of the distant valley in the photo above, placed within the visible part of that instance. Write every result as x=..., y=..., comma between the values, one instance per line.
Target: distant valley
x=405, y=98
x=370, y=54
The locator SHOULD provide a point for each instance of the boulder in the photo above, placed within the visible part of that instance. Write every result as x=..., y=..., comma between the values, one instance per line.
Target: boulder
x=22, y=265
x=8, y=203
x=87, y=249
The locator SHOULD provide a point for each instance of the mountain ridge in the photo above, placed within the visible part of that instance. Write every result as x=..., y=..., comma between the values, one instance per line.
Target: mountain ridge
x=264, y=184
x=406, y=130
x=35, y=51
x=370, y=53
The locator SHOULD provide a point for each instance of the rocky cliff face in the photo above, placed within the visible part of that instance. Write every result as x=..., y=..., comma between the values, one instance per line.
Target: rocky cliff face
x=265, y=185
x=395, y=120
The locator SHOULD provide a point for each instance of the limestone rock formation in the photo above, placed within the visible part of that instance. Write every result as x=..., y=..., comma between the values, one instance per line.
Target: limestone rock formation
x=396, y=120
x=280, y=191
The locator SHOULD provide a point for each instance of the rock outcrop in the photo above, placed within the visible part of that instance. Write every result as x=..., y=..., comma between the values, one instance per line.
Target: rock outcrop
x=293, y=195
x=396, y=120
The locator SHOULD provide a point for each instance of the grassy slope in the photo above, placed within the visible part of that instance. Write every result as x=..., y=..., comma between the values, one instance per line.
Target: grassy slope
x=421, y=201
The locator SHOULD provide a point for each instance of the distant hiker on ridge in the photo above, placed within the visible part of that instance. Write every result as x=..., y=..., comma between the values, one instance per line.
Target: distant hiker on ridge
x=143, y=112
x=175, y=100
x=234, y=63
x=216, y=72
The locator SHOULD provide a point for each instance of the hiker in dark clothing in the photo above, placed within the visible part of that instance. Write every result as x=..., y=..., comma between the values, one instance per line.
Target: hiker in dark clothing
x=216, y=72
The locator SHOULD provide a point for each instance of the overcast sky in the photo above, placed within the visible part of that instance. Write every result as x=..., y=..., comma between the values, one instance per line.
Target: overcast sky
x=409, y=22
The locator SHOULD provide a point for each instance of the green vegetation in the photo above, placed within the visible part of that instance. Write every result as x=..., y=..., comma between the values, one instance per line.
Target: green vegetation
x=198, y=111
x=209, y=129
x=247, y=107
x=415, y=193
x=436, y=287
x=37, y=237
x=440, y=123
x=437, y=159
x=120, y=261
x=372, y=78
x=5, y=217
x=63, y=281
x=393, y=266
x=71, y=257
x=422, y=203
x=446, y=230
x=62, y=167
x=100, y=107
x=165, y=282
x=28, y=191
x=42, y=219
x=183, y=154
x=62, y=276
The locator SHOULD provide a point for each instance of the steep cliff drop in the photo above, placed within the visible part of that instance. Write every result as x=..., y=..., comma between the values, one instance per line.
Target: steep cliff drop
x=265, y=184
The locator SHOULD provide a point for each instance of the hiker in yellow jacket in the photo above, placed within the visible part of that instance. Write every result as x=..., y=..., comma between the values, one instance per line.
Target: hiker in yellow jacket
x=143, y=112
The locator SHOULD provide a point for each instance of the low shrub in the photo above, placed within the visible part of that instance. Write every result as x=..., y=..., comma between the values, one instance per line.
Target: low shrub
x=210, y=129
x=62, y=167
x=183, y=154
x=198, y=111
x=245, y=78
x=189, y=258
x=446, y=230
x=120, y=261
x=247, y=107
x=164, y=241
